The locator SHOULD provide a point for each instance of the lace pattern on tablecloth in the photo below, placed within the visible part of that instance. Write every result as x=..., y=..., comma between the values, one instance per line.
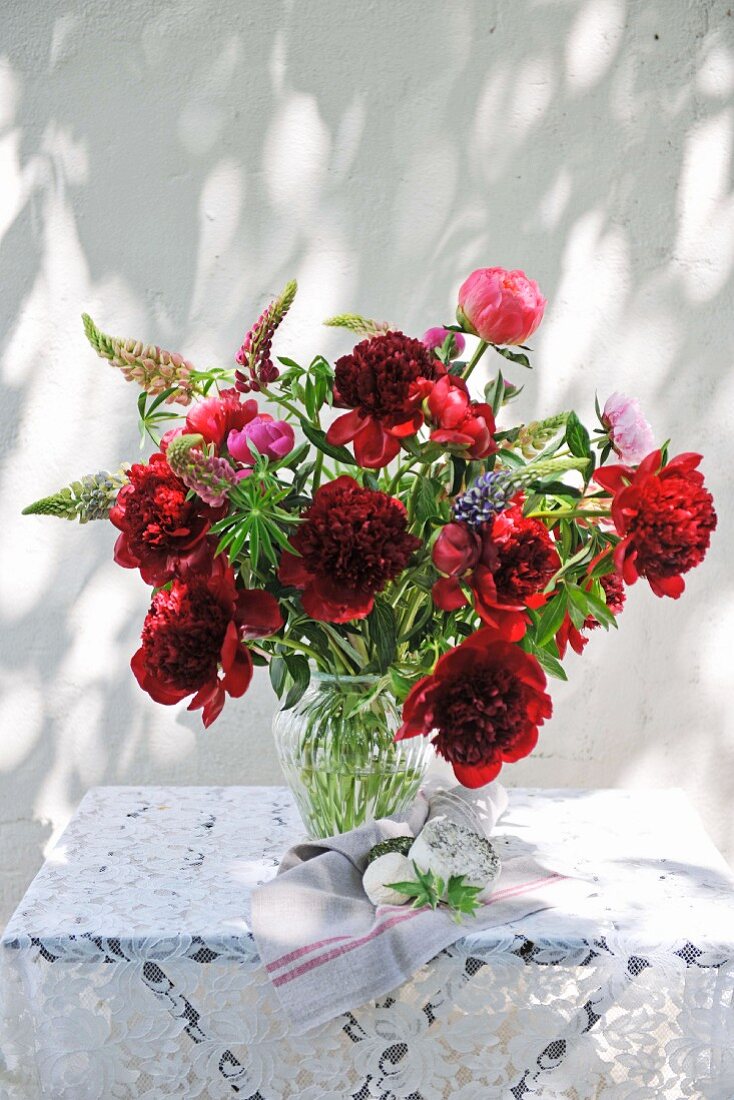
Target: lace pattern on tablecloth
x=128, y=971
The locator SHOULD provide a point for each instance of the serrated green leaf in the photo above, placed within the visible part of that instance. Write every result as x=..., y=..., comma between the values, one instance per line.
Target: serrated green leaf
x=577, y=438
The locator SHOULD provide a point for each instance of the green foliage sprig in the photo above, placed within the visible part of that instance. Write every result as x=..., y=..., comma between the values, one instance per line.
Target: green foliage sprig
x=430, y=890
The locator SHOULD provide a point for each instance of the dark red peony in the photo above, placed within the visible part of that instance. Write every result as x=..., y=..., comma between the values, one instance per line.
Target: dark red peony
x=507, y=563
x=664, y=516
x=215, y=417
x=352, y=542
x=163, y=534
x=384, y=381
x=196, y=628
x=568, y=634
x=462, y=425
x=485, y=699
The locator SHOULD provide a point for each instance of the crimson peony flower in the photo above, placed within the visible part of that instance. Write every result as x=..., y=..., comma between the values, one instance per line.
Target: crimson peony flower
x=352, y=542
x=501, y=307
x=383, y=381
x=163, y=534
x=664, y=516
x=215, y=417
x=464, y=425
x=507, y=563
x=568, y=634
x=485, y=699
x=196, y=628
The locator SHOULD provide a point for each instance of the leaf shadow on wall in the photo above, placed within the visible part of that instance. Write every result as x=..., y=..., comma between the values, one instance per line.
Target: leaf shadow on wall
x=171, y=169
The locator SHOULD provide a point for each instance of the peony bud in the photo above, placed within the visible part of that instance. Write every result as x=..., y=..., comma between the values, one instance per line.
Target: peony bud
x=456, y=550
x=501, y=307
x=435, y=338
x=272, y=438
x=629, y=432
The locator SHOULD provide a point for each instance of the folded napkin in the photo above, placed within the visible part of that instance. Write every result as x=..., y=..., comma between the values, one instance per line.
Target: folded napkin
x=325, y=947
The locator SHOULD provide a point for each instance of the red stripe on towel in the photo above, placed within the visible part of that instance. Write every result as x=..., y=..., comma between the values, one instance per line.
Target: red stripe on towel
x=353, y=944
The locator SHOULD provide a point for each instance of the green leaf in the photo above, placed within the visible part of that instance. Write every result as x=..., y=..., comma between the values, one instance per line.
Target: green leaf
x=551, y=618
x=318, y=438
x=159, y=400
x=255, y=543
x=514, y=356
x=604, y=566
x=401, y=684
x=510, y=458
x=383, y=633
x=550, y=664
x=278, y=675
x=577, y=438
x=532, y=503
x=300, y=674
x=494, y=393
x=426, y=499
x=459, y=468
x=576, y=559
x=577, y=607
x=293, y=459
x=598, y=608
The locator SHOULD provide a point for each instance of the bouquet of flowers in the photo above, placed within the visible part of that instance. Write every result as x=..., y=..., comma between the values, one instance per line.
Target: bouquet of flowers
x=413, y=568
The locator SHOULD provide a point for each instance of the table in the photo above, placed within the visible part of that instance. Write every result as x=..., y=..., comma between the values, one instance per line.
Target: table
x=128, y=970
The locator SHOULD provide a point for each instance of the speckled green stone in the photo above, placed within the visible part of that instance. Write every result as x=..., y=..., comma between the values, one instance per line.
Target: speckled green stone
x=400, y=844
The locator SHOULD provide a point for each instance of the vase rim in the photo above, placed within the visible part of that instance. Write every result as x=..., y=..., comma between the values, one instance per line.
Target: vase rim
x=337, y=678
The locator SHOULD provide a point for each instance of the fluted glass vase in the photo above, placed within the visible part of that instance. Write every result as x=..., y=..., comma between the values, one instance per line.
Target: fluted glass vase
x=338, y=754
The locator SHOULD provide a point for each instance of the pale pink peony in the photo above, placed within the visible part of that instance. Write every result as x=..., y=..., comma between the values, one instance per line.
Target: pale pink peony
x=501, y=307
x=434, y=338
x=272, y=438
x=629, y=432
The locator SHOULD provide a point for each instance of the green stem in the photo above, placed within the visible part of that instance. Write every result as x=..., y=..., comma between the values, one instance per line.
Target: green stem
x=318, y=467
x=282, y=401
x=561, y=513
x=479, y=352
x=401, y=471
x=300, y=646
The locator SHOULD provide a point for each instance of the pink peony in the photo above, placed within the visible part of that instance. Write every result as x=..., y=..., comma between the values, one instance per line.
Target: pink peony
x=501, y=307
x=214, y=417
x=434, y=338
x=272, y=438
x=629, y=432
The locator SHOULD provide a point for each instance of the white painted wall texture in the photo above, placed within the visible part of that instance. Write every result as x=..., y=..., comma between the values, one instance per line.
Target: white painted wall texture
x=167, y=166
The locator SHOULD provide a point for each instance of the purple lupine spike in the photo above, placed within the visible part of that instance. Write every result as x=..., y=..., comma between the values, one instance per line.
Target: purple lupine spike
x=209, y=476
x=254, y=355
x=490, y=494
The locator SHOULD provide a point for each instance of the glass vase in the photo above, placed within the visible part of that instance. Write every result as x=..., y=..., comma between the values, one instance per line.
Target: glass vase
x=338, y=754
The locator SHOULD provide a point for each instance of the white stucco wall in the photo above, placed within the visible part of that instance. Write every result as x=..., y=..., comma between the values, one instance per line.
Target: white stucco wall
x=167, y=166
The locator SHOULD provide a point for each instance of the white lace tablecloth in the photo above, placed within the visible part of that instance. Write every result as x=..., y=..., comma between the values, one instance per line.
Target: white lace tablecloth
x=128, y=969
